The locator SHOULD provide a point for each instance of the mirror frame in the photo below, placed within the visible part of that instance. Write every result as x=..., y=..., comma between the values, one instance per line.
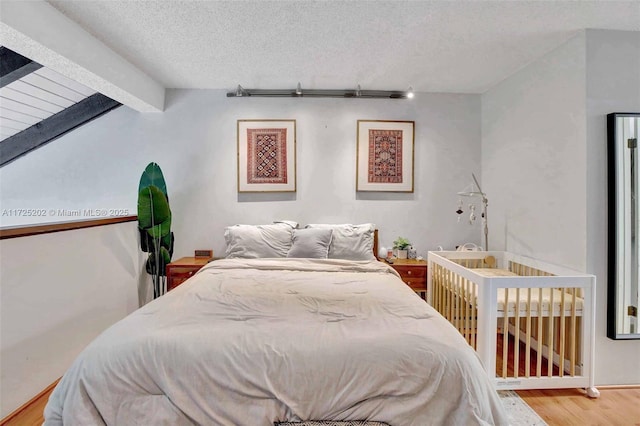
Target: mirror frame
x=613, y=146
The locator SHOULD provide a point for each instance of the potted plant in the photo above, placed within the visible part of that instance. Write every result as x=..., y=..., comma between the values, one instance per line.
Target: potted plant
x=400, y=246
x=154, y=224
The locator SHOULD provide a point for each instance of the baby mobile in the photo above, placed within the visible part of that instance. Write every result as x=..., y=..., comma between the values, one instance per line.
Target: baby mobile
x=472, y=209
x=472, y=215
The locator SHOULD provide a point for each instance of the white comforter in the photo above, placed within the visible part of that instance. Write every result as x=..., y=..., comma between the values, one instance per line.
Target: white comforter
x=250, y=342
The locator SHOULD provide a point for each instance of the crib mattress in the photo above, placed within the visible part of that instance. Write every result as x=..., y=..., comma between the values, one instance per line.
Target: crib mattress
x=537, y=301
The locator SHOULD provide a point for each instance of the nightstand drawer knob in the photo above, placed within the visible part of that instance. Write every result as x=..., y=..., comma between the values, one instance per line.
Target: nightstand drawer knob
x=408, y=272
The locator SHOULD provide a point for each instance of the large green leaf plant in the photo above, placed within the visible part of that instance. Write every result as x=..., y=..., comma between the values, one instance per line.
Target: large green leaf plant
x=154, y=224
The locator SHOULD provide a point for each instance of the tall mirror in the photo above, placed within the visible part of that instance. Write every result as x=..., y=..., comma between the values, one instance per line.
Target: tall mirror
x=624, y=226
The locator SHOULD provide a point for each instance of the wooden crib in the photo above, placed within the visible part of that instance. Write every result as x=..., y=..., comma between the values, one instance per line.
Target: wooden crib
x=531, y=323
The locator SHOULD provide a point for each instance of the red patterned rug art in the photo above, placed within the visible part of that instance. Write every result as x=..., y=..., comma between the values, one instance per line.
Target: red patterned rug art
x=385, y=156
x=267, y=156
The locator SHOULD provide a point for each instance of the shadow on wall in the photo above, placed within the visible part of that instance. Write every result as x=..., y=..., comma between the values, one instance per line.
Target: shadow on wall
x=123, y=245
x=246, y=197
x=385, y=196
x=145, y=287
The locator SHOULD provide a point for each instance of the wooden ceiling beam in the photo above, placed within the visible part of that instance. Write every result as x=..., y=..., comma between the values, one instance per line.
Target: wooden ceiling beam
x=14, y=66
x=55, y=126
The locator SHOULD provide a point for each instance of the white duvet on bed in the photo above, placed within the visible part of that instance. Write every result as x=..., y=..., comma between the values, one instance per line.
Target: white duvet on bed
x=250, y=342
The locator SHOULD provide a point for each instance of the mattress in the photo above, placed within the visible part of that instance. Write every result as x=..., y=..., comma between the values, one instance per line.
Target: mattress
x=538, y=300
x=273, y=340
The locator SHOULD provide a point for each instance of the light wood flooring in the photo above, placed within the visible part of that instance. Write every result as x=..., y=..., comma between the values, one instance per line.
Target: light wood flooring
x=558, y=407
x=568, y=407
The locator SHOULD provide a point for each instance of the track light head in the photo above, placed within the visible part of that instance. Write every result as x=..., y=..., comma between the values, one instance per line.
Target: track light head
x=410, y=93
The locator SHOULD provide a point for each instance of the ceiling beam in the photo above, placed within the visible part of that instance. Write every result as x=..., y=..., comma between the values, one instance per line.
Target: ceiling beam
x=40, y=32
x=55, y=126
x=14, y=66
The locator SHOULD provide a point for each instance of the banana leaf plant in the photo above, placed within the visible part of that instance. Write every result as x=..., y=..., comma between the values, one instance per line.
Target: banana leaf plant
x=154, y=224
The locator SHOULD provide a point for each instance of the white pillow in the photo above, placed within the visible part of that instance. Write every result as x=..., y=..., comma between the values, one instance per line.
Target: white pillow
x=310, y=243
x=258, y=241
x=291, y=223
x=350, y=242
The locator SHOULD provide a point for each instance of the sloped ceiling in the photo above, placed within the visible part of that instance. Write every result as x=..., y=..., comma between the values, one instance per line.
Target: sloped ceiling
x=38, y=105
x=35, y=97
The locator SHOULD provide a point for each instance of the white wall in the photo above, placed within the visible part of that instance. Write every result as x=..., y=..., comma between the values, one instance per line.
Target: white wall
x=613, y=85
x=57, y=293
x=534, y=158
x=84, y=281
x=544, y=164
x=194, y=141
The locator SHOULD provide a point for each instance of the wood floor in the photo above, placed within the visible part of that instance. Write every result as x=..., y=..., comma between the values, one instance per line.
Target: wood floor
x=568, y=407
x=558, y=407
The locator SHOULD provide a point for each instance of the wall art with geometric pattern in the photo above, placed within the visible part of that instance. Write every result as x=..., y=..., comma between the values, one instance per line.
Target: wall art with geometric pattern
x=385, y=155
x=266, y=155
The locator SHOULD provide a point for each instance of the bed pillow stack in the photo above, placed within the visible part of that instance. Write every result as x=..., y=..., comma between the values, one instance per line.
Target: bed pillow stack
x=316, y=241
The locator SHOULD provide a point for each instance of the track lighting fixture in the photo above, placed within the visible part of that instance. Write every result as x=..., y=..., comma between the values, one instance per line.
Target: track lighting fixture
x=322, y=93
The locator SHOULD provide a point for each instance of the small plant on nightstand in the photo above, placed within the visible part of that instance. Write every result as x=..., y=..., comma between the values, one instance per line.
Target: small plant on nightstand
x=401, y=245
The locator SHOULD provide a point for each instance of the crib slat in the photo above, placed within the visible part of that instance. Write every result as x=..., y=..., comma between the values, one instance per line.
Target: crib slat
x=467, y=331
x=562, y=337
x=551, y=337
x=439, y=287
x=505, y=333
x=446, y=294
x=452, y=299
x=516, y=345
x=460, y=301
x=456, y=302
x=474, y=313
x=435, y=296
x=572, y=361
x=451, y=296
x=433, y=270
x=527, y=354
x=540, y=336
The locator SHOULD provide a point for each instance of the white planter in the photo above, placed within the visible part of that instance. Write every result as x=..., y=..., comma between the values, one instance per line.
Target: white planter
x=401, y=254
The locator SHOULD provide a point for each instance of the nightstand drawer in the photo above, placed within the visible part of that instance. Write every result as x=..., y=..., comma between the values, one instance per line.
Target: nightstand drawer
x=417, y=284
x=182, y=269
x=411, y=271
x=182, y=274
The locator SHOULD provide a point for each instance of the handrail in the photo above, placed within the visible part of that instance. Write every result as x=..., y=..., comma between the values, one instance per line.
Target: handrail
x=27, y=231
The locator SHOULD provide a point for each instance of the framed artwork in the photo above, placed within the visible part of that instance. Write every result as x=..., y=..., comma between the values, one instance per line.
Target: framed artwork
x=266, y=155
x=385, y=156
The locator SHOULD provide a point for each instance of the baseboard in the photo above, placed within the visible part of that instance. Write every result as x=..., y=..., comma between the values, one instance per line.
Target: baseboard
x=29, y=403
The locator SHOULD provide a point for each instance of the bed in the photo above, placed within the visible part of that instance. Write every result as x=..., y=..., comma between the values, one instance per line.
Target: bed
x=531, y=322
x=265, y=340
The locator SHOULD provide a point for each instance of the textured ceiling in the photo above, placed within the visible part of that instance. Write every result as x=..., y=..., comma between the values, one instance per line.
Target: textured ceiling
x=433, y=46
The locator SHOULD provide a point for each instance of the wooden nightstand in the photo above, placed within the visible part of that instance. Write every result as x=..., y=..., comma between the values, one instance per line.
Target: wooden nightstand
x=414, y=273
x=182, y=269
